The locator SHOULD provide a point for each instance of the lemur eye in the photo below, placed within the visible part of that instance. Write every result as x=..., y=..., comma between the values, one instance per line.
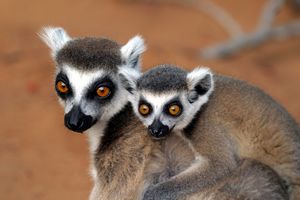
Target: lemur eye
x=103, y=91
x=62, y=87
x=144, y=109
x=174, y=110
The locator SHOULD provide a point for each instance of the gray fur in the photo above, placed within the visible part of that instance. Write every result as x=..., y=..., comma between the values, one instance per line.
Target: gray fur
x=158, y=80
x=239, y=122
x=87, y=64
x=91, y=54
x=121, y=156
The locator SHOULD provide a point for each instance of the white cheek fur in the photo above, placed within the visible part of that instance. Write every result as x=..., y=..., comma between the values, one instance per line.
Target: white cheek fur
x=158, y=101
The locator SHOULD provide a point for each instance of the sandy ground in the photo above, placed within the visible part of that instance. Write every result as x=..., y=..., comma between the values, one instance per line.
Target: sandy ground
x=39, y=158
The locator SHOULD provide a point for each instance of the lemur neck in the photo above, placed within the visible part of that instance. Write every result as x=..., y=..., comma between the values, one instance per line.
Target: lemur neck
x=102, y=134
x=115, y=127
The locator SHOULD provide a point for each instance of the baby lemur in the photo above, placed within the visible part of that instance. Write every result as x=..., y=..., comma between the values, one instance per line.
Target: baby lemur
x=239, y=123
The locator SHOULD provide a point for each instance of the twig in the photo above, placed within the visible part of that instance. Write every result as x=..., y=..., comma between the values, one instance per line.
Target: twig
x=221, y=16
x=270, y=11
x=251, y=40
x=263, y=32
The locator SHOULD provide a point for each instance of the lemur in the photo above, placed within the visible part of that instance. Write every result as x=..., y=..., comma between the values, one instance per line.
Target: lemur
x=239, y=123
x=88, y=86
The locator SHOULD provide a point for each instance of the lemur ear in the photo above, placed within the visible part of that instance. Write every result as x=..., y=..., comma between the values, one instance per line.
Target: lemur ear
x=200, y=83
x=55, y=38
x=132, y=51
x=129, y=77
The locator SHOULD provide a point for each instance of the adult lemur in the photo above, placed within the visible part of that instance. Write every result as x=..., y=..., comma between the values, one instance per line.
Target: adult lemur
x=238, y=123
x=89, y=87
x=124, y=158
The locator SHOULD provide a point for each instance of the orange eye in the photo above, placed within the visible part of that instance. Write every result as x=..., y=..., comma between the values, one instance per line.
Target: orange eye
x=62, y=87
x=174, y=110
x=144, y=109
x=103, y=91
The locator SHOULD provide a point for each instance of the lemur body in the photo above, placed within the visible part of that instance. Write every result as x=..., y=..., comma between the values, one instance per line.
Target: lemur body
x=89, y=88
x=250, y=180
x=239, y=122
x=125, y=161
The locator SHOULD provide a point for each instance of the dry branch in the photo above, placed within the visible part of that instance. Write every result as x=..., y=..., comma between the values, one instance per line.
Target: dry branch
x=263, y=32
x=251, y=40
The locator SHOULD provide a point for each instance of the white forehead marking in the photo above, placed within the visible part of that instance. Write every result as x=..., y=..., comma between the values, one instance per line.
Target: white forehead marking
x=157, y=101
x=81, y=80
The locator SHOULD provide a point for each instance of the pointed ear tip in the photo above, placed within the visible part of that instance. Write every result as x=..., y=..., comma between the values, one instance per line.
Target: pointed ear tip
x=52, y=28
x=139, y=41
x=48, y=30
x=138, y=37
x=202, y=70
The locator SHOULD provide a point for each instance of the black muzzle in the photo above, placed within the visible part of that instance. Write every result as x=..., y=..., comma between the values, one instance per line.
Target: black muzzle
x=158, y=130
x=77, y=121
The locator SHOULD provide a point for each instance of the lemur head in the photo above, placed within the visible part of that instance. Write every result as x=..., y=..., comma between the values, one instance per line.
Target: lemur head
x=87, y=75
x=167, y=98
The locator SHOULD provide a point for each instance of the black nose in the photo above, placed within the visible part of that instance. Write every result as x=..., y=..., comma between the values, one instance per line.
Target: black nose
x=158, y=130
x=77, y=121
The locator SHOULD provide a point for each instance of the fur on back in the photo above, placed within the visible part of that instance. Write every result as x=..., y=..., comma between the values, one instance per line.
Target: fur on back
x=254, y=125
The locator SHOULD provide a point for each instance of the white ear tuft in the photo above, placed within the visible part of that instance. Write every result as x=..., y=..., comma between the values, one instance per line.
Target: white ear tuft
x=54, y=37
x=200, y=83
x=197, y=74
x=132, y=50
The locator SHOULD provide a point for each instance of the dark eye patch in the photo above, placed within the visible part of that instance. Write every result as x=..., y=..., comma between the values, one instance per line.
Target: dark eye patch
x=144, y=102
x=62, y=77
x=103, y=82
x=174, y=101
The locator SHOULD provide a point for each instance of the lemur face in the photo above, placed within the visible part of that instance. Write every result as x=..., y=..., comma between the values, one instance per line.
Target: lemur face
x=162, y=113
x=167, y=98
x=88, y=96
x=87, y=76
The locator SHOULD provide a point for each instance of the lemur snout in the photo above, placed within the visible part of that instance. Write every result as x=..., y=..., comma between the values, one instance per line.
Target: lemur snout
x=77, y=121
x=158, y=130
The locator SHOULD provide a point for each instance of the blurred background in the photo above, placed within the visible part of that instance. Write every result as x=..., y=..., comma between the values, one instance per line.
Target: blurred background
x=39, y=158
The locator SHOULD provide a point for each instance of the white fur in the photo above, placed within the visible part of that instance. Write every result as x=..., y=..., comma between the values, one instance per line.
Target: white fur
x=133, y=49
x=80, y=81
x=196, y=75
x=96, y=192
x=55, y=38
x=94, y=135
x=157, y=102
